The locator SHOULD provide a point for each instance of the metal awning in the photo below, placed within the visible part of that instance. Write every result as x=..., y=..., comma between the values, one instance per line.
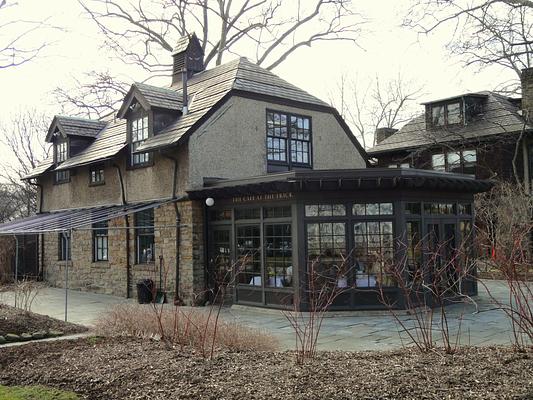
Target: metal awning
x=72, y=219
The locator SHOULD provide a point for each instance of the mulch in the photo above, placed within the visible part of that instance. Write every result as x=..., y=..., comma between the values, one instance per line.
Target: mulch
x=17, y=321
x=124, y=368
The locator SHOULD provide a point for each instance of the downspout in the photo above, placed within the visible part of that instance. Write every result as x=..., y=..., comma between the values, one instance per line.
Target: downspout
x=41, y=236
x=177, y=298
x=127, y=223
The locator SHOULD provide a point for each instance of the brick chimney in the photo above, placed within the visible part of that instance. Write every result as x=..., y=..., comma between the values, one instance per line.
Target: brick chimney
x=383, y=133
x=527, y=93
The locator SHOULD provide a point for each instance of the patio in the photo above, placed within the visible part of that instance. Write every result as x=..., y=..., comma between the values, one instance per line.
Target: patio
x=357, y=330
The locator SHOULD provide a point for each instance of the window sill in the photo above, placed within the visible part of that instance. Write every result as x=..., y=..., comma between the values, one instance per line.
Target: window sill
x=92, y=184
x=139, y=166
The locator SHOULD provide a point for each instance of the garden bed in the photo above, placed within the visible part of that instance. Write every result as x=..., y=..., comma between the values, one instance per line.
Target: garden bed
x=15, y=321
x=126, y=368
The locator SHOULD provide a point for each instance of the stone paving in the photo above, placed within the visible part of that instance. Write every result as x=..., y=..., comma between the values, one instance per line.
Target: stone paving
x=340, y=331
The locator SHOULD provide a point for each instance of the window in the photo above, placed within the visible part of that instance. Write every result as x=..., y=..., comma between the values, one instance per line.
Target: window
x=325, y=210
x=100, y=241
x=439, y=208
x=144, y=236
x=459, y=162
x=248, y=241
x=139, y=133
x=373, y=209
x=399, y=165
x=414, y=251
x=278, y=255
x=288, y=139
x=61, y=151
x=96, y=175
x=64, y=247
x=277, y=212
x=62, y=176
x=373, y=252
x=248, y=213
x=446, y=114
x=326, y=249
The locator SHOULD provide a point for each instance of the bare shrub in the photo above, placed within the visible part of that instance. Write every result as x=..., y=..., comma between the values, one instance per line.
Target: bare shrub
x=25, y=292
x=182, y=326
x=430, y=276
x=323, y=286
x=505, y=227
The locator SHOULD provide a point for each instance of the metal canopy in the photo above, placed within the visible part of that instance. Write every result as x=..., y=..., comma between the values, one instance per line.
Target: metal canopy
x=72, y=219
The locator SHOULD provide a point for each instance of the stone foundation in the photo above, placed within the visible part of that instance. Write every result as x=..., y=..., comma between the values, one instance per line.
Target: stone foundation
x=111, y=277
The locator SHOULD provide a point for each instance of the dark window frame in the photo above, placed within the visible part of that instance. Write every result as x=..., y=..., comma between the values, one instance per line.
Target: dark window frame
x=101, y=242
x=289, y=141
x=62, y=176
x=144, y=231
x=137, y=115
x=462, y=165
x=64, y=247
x=98, y=170
x=446, y=113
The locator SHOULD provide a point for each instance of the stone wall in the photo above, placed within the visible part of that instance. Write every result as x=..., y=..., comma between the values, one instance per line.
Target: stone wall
x=111, y=277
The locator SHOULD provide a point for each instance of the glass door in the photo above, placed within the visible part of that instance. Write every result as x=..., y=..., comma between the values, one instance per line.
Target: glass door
x=220, y=263
x=441, y=254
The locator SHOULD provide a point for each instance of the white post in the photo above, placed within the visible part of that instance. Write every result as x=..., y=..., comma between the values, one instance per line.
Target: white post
x=16, y=266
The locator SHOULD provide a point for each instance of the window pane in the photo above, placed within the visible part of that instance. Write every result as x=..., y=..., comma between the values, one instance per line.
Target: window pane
x=278, y=255
x=437, y=162
x=248, y=246
x=437, y=115
x=454, y=113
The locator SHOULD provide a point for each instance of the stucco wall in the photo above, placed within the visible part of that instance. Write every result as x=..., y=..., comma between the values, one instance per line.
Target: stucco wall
x=153, y=182
x=232, y=143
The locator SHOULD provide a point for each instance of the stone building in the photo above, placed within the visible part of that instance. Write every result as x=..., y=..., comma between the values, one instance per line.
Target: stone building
x=227, y=169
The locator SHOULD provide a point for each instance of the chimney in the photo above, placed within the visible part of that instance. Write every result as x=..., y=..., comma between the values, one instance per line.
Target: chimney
x=526, y=80
x=188, y=59
x=383, y=133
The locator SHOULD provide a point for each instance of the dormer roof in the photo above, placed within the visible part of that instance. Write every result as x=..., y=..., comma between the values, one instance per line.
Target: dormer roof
x=151, y=97
x=450, y=99
x=73, y=126
x=500, y=116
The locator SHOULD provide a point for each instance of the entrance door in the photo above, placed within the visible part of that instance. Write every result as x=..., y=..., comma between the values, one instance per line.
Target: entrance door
x=441, y=254
x=220, y=265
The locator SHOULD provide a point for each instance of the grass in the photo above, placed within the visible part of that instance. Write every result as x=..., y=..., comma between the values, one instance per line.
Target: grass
x=34, y=393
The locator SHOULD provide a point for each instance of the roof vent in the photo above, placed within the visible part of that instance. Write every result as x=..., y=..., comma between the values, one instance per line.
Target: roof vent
x=188, y=57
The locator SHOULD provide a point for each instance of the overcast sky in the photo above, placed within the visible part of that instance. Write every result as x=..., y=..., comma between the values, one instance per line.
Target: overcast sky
x=386, y=50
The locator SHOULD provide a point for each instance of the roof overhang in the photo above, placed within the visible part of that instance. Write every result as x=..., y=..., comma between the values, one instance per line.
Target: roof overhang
x=340, y=180
x=73, y=219
x=476, y=95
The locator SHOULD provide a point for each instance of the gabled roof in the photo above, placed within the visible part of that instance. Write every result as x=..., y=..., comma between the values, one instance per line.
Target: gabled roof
x=500, y=116
x=108, y=143
x=73, y=126
x=151, y=97
x=209, y=89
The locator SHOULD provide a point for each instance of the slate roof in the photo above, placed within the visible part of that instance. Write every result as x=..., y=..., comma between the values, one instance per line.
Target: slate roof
x=72, y=126
x=500, y=116
x=207, y=88
x=151, y=96
x=44, y=166
x=108, y=143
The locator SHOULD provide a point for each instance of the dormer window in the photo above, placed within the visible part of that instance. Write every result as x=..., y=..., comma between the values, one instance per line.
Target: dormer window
x=446, y=114
x=139, y=133
x=61, y=154
x=61, y=151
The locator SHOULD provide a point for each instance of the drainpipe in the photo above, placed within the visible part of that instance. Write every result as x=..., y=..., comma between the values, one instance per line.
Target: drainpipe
x=40, y=204
x=127, y=223
x=177, y=298
x=40, y=236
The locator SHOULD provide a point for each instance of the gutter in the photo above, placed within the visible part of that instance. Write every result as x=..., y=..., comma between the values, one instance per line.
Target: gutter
x=177, y=298
x=127, y=223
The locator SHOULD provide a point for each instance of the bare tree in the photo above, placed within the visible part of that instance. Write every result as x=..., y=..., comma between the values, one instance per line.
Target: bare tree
x=17, y=38
x=485, y=32
x=375, y=105
x=143, y=34
x=22, y=137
